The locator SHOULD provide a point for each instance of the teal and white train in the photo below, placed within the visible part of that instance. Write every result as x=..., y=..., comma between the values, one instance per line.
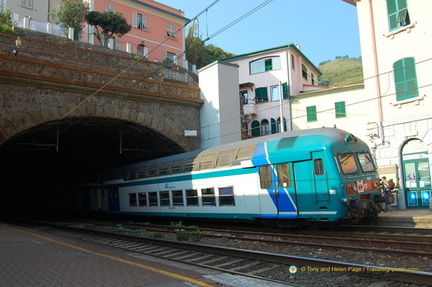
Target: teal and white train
x=289, y=179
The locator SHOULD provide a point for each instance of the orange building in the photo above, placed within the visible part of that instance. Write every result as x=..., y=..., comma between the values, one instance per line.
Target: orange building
x=156, y=29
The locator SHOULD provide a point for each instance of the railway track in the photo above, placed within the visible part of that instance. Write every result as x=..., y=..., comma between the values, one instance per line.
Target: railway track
x=392, y=241
x=286, y=269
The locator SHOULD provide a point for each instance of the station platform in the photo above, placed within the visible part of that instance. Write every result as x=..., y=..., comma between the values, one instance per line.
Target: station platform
x=33, y=258
x=419, y=218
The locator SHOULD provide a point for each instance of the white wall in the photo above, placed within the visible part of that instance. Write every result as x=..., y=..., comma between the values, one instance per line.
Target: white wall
x=220, y=114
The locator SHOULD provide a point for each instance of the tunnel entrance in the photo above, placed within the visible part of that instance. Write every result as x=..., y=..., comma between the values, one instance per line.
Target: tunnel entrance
x=57, y=155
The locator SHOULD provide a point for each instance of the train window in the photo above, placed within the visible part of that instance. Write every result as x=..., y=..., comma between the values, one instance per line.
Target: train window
x=348, y=163
x=206, y=161
x=163, y=168
x=177, y=196
x=225, y=158
x=191, y=197
x=208, y=196
x=246, y=152
x=142, y=199
x=164, y=198
x=366, y=162
x=265, y=177
x=191, y=164
x=176, y=166
x=153, y=200
x=226, y=196
x=318, y=165
x=133, y=174
x=283, y=173
x=152, y=170
x=142, y=171
x=132, y=199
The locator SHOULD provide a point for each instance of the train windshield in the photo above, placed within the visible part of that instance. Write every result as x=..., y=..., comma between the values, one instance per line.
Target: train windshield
x=348, y=162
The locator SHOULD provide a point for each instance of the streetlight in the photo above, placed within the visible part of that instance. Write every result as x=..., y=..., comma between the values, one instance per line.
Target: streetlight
x=18, y=43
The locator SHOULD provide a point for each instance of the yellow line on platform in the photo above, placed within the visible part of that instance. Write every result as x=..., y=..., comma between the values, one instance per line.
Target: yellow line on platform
x=173, y=275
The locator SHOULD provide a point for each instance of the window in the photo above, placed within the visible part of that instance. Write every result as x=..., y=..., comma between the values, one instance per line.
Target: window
x=176, y=166
x=153, y=199
x=265, y=177
x=340, y=110
x=170, y=58
x=244, y=95
x=292, y=62
x=110, y=7
x=226, y=196
x=142, y=199
x=405, y=79
x=261, y=95
x=246, y=152
x=348, y=163
x=133, y=174
x=274, y=92
x=142, y=50
x=177, y=197
x=152, y=170
x=206, y=161
x=139, y=21
x=311, y=114
x=279, y=125
x=398, y=15
x=264, y=64
x=225, y=158
x=191, y=164
x=164, y=167
x=142, y=171
x=208, y=196
x=27, y=4
x=285, y=90
x=304, y=72
x=318, y=165
x=366, y=162
x=164, y=198
x=255, y=129
x=313, y=79
x=265, y=127
x=170, y=30
x=191, y=197
x=274, y=126
x=132, y=199
x=283, y=173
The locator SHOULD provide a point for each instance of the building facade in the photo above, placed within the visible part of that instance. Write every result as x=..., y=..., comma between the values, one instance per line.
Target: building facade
x=267, y=78
x=156, y=30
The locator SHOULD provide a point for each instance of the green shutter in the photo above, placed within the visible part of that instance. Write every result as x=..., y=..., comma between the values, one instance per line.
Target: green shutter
x=311, y=114
x=285, y=90
x=405, y=79
x=255, y=129
x=397, y=11
x=340, y=109
x=273, y=126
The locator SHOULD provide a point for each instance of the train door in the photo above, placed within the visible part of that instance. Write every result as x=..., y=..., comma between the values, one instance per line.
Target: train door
x=113, y=200
x=312, y=186
x=278, y=181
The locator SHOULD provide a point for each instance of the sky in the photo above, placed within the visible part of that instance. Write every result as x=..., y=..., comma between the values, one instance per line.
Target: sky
x=324, y=29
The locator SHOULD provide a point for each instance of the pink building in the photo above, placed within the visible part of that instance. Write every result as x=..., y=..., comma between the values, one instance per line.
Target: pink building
x=156, y=29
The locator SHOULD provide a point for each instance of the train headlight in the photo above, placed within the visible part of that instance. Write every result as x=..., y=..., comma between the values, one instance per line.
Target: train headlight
x=376, y=184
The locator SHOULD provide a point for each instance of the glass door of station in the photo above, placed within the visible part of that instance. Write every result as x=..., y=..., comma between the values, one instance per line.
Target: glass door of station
x=417, y=180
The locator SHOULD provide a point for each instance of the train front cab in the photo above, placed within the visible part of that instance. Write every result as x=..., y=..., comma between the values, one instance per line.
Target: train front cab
x=310, y=184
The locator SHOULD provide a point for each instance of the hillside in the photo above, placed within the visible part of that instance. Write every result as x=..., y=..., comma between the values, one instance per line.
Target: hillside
x=340, y=72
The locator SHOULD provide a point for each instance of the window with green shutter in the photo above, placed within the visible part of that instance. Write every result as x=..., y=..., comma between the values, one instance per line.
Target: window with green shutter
x=398, y=15
x=311, y=114
x=285, y=90
x=340, y=109
x=261, y=95
x=405, y=79
x=256, y=132
x=304, y=72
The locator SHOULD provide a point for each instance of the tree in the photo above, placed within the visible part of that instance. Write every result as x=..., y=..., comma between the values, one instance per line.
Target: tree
x=71, y=13
x=107, y=24
x=199, y=54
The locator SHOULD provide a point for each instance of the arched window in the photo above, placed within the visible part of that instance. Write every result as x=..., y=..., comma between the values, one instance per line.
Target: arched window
x=265, y=127
x=274, y=127
x=255, y=129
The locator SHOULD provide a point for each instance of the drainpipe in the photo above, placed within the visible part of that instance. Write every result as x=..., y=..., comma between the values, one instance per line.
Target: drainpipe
x=289, y=92
x=376, y=70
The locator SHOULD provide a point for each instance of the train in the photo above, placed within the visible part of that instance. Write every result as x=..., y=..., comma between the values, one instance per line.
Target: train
x=291, y=179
